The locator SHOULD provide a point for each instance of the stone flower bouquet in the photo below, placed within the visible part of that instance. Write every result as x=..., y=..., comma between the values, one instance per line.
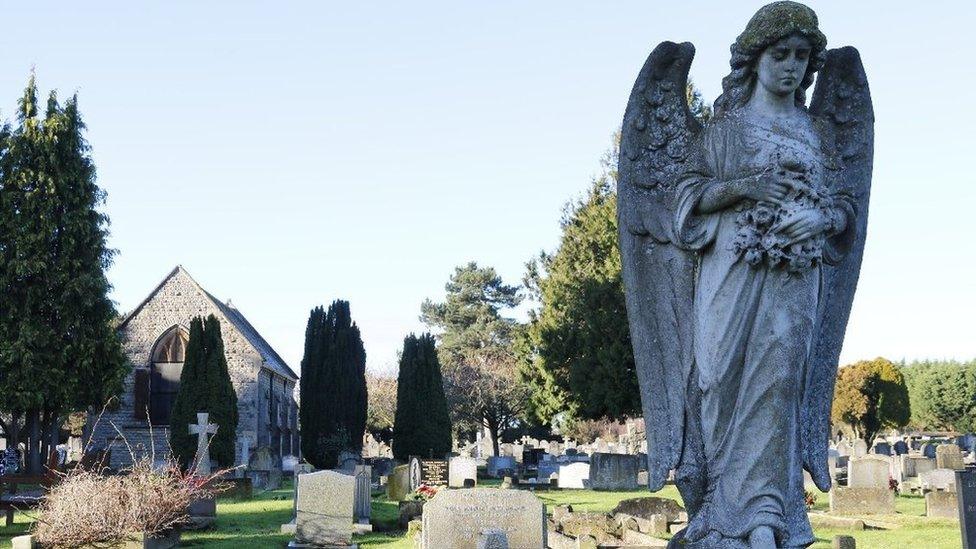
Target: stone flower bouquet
x=761, y=243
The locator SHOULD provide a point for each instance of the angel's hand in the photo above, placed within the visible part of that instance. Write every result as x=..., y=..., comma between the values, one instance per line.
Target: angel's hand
x=803, y=224
x=767, y=187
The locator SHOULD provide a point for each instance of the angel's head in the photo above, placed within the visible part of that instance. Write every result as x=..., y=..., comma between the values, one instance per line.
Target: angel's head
x=781, y=37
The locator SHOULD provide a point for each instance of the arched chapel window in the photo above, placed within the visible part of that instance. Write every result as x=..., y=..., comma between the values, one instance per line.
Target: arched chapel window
x=164, y=375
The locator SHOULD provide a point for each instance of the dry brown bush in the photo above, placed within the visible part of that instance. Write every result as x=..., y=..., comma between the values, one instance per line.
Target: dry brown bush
x=91, y=508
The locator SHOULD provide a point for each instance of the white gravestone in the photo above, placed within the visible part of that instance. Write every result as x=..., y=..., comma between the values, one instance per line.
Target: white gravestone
x=461, y=469
x=324, y=508
x=574, y=475
x=455, y=519
x=870, y=471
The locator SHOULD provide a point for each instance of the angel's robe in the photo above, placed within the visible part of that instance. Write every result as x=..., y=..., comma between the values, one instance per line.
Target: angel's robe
x=753, y=331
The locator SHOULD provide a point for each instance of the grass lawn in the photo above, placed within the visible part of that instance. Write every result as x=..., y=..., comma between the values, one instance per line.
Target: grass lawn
x=255, y=523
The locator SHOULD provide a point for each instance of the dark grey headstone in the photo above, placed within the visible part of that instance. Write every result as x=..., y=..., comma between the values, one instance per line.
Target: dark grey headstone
x=966, y=491
x=901, y=447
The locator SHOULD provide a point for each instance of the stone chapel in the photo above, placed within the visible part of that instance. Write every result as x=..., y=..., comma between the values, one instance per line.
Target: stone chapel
x=154, y=337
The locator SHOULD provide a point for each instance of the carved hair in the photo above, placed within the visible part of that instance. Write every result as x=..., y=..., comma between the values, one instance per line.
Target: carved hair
x=771, y=24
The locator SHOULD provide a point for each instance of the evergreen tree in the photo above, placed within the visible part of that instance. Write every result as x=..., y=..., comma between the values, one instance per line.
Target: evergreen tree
x=333, y=386
x=59, y=352
x=205, y=386
x=477, y=350
x=869, y=396
x=422, y=426
x=576, y=354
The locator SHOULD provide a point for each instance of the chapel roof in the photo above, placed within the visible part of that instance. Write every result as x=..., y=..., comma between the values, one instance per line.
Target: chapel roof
x=271, y=357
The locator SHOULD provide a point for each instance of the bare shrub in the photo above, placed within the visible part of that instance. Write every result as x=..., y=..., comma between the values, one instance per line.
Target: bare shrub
x=88, y=507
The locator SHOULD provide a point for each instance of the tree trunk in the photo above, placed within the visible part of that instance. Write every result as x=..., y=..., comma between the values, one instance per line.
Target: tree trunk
x=33, y=451
x=494, y=429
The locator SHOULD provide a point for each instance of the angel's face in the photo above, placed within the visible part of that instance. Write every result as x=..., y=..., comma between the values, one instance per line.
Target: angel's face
x=782, y=65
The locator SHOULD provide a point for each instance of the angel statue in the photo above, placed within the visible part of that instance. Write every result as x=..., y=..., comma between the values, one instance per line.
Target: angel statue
x=741, y=243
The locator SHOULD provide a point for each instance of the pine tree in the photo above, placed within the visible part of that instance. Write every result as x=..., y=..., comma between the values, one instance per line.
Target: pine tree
x=422, y=426
x=205, y=386
x=59, y=352
x=333, y=386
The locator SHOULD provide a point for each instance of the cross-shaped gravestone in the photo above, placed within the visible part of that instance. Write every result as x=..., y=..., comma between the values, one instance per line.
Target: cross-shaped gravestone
x=202, y=428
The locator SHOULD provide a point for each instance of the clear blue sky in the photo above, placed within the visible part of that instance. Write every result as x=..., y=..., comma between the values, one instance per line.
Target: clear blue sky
x=288, y=154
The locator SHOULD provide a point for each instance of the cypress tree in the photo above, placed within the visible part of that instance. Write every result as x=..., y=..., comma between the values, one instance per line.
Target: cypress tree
x=333, y=386
x=205, y=386
x=422, y=425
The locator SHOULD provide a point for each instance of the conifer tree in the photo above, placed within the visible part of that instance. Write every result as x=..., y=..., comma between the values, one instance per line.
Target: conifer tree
x=205, y=386
x=59, y=352
x=333, y=386
x=422, y=426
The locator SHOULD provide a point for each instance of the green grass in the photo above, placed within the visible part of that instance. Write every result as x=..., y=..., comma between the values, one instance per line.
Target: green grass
x=255, y=523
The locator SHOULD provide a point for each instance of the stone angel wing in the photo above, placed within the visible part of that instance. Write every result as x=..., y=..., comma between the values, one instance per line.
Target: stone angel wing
x=656, y=142
x=842, y=105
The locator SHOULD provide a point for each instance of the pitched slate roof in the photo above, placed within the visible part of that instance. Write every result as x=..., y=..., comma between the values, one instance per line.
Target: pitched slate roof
x=271, y=358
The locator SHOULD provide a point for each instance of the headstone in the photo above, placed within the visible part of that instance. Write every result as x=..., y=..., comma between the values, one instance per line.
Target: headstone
x=871, y=471
x=461, y=469
x=244, y=459
x=432, y=472
x=938, y=479
x=203, y=428
x=928, y=450
x=264, y=469
x=844, y=542
x=325, y=508
x=859, y=448
x=900, y=447
x=348, y=461
x=942, y=505
x=966, y=484
x=613, y=472
x=499, y=466
x=882, y=448
x=546, y=470
x=948, y=456
x=398, y=483
x=303, y=468
x=456, y=518
x=574, y=475
x=860, y=500
x=843, y=448
x=362, y=500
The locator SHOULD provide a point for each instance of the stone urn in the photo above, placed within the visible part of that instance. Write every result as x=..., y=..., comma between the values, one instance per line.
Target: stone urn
x=410, y=509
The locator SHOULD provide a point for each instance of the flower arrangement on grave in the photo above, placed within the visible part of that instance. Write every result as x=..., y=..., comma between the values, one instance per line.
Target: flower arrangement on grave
x=809, y=499
x=759, y=240
x=424, y=492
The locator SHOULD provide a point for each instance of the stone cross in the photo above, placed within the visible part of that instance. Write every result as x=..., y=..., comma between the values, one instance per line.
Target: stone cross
x=202, y=428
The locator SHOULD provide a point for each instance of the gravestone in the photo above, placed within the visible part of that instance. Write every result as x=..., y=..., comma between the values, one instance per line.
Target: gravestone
x=398, y=483
x=900, y=447
x=362, y=499
x=882, y=448
x=455, y=518
x=938, y=479
x=942, y=505
x=203, y=428
x=574, y=475
x=928, y=450
x=922, y=464
x=966, y=485
x=499, y=466
x=861, y=500
x=264, y=469
x=613, y=472
x=303, y=468
x=348, y=461
x=461, y=469
x=432, y=472
x=871, y=471
x=859, y=448
x=948, y=456
x=546, y=470
x=324, y=514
